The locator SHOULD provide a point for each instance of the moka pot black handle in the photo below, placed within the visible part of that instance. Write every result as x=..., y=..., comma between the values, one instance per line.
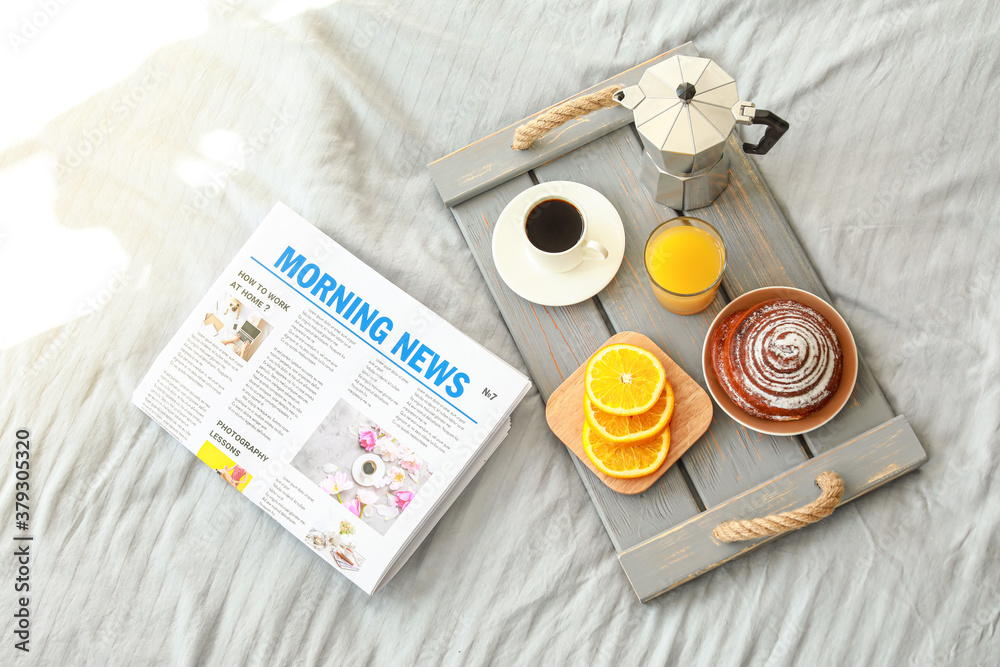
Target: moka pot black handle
x=776, y=128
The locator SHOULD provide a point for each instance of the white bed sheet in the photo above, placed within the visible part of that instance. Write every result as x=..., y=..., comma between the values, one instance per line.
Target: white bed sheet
x=125, y=201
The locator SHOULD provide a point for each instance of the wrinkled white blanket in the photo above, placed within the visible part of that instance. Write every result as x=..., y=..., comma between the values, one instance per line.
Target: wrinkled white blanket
x=142, y=142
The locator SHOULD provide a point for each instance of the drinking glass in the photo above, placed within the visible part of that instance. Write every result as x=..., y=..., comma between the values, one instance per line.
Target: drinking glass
x=683, y=303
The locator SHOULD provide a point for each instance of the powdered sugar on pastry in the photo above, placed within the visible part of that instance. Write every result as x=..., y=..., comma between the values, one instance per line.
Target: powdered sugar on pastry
x=780, y=360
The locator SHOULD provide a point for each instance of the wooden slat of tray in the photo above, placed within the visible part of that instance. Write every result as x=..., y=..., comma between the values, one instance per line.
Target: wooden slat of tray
x=764, y=251
x=554, y=342
x=490, y=161
x=689, y=550
x=691, y=416
x=610, y=165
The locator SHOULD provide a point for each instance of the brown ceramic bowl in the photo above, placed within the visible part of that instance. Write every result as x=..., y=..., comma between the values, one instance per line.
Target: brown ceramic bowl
x=840, y=397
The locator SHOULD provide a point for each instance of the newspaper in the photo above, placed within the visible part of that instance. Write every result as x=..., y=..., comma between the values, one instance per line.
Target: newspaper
x=337, y=403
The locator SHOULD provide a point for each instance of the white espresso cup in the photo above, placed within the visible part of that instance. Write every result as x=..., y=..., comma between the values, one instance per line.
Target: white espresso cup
x=555, y=231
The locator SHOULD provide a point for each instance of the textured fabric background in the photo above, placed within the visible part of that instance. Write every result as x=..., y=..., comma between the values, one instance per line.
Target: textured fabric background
x=142, y=142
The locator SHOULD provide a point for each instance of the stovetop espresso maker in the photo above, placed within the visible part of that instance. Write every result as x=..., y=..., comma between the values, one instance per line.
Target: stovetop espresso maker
x=685, y=108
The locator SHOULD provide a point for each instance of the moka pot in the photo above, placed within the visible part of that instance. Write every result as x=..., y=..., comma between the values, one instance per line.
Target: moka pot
x=685, y=109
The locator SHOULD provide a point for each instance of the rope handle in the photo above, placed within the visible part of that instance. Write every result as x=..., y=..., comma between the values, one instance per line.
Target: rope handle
x=525, y=135
x=832, y=487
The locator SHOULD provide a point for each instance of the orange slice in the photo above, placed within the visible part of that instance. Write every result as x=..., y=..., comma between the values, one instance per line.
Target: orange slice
x=622, y=429
x=625, y=461
x=624, y=379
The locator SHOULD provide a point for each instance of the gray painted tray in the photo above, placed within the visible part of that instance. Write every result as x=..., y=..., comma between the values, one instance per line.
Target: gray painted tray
x=663, y=536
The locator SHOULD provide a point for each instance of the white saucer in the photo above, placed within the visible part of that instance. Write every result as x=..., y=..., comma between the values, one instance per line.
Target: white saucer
x=530, y=281
x=359, y=475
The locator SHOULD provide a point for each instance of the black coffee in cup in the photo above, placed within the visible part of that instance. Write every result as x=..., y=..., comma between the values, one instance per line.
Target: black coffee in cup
x=554, y=225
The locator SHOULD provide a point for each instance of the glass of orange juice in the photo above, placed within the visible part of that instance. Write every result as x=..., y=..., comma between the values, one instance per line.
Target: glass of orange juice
x=685, y=259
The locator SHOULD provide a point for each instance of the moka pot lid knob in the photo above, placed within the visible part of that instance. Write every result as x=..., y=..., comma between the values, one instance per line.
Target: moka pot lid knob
x=683, y=112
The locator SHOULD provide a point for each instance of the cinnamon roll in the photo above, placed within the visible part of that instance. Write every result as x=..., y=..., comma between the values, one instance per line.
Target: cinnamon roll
x=780, y=360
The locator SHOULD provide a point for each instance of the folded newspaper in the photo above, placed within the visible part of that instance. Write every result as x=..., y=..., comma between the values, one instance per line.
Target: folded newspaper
x=340, y=405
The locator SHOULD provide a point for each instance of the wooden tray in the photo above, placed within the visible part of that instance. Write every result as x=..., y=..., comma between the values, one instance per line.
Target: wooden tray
x=730, y=472
x=692, y=415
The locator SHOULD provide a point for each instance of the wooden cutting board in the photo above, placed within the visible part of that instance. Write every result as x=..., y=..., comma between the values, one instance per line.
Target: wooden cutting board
x=691, y=418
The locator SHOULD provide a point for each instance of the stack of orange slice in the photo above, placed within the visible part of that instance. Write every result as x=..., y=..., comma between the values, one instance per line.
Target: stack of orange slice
x=627, y=408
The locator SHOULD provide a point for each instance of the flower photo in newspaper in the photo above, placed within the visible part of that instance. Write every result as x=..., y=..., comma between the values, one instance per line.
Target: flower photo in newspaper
x=362, y=466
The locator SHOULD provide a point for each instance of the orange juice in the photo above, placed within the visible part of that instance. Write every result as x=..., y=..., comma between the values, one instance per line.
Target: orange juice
x=685, y=261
